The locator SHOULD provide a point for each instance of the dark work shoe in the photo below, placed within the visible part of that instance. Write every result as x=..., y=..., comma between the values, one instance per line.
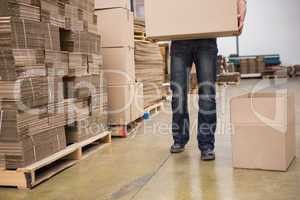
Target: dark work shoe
x=208, y=155
x=177, y=148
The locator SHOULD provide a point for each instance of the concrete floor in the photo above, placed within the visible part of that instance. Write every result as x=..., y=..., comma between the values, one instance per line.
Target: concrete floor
x=141, y=168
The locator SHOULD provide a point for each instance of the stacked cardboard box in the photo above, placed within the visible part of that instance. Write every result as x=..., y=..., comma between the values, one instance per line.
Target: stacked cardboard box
x=297, y=70
x=252, y=65
x=149, y=66
x=117, y=40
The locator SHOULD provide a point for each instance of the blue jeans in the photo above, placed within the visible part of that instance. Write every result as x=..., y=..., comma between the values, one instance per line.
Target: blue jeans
x=203, y=53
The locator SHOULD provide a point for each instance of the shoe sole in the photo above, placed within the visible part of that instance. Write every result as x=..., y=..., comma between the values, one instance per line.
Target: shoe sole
x=208, y=159
x=177, y=151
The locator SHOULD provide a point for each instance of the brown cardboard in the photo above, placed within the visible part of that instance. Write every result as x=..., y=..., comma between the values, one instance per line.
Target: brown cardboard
x=138, y=101
x=263, y=131
x=120, y=98
x=116, y=27
x=190, y=19
x=119, y=66
x=107, y=4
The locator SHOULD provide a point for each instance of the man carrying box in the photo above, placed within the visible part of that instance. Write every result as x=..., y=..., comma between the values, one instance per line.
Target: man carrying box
x=202, y=52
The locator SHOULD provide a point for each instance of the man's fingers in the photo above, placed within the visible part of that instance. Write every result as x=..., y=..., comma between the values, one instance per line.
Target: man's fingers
x=241, y=24
x=241, y=28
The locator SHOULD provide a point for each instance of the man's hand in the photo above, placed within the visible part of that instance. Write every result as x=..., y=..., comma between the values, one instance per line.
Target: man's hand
x=242, y=9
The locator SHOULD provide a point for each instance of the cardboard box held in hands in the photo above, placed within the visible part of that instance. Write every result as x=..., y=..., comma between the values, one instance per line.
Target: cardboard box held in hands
x=190, y=19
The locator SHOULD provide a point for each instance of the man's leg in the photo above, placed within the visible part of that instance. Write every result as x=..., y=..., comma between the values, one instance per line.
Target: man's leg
x=181, y=61
x=206, y=64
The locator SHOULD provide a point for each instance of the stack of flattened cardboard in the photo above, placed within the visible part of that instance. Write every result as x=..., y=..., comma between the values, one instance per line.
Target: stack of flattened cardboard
x=20, y=34
x=30, y=92
x=21, y=63
x=80, y=41
x=95, y=64
x=89, y=107
x=51, y=36
x=139, y=25
x=165, y=52
x=149, y=70
x=80, y=19
x=53, y=12
x=78, y=64
x=57, y=63
x=29, y=130
x=78, y=87
x=297, y=70
x=42, y=88
x=56, y=89
x=21, y=9
x=149, y=65
x=31, y=149
x=84, y=86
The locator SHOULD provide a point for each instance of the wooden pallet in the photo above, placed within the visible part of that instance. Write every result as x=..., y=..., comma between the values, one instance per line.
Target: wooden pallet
x=229, y=83
x=124, y=131
x=139, y=33
x=154, y=109
x=141, y=37
x=142, y=40
x=255, y=75
x=273, y=77
x=30, y=176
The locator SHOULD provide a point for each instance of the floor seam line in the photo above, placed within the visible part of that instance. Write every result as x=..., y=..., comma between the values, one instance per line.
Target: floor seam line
x=151, y=177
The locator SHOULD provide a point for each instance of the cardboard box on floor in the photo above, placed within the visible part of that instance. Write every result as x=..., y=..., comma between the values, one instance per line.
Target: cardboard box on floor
x=190, y=19
x=263, y=131
x=116, y=27
x=108, y=4
x=138, y=103
x=119, y=66
x=126, y=103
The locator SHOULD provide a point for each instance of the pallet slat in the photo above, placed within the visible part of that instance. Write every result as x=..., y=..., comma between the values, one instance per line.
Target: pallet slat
x=30, y=176
x=126, y=130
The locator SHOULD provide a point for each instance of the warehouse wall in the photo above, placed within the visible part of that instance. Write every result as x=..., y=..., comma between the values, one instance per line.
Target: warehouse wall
x=272, y=26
